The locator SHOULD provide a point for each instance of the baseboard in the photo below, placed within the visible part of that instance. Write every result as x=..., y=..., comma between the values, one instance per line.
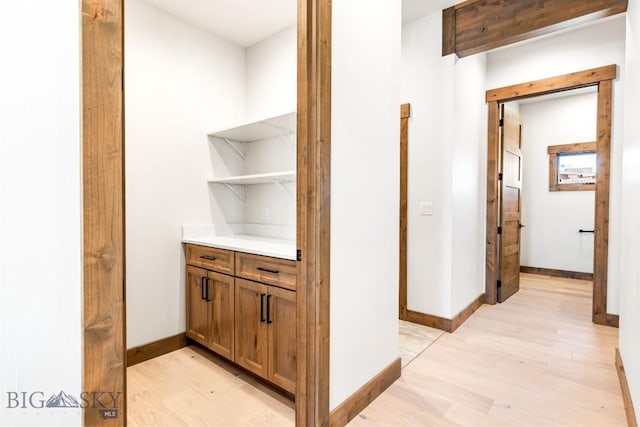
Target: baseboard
x=366, y=394
x=556, y=273
x=626, y=394
x=447, y=325
x=148, y=351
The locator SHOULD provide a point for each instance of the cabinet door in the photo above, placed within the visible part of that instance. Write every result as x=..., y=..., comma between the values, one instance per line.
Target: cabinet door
x=251, y=326
x=197, y=305
x=221, y=312
x=281, y=321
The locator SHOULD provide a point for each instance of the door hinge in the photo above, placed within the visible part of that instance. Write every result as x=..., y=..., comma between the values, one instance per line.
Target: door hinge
x=299, y=255
x=501, y=122
x=500, y=176
x=499, y=289
x=499, y=230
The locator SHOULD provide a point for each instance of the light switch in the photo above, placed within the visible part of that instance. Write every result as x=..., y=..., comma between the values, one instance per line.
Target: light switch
x=426, y=208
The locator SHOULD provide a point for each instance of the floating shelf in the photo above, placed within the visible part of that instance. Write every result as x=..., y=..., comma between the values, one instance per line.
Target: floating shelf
x=261, y=178
x=262, y=129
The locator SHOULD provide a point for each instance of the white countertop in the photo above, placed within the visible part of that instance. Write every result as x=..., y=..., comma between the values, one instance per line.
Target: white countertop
x=250, y=244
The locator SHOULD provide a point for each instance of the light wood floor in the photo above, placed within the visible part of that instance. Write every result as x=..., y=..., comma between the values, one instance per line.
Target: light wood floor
x=535, y=360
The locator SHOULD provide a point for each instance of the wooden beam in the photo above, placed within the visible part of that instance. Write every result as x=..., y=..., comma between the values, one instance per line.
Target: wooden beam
x=448, y=31
x=313, y=211
x=553, y=84
x=103, y=208
x=405, y=111
x=483, y=25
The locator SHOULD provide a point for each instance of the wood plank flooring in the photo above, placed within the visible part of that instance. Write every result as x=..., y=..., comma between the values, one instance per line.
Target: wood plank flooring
x=190, y=387
x=535, y=360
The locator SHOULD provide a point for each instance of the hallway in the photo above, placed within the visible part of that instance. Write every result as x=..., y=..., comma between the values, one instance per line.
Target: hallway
x=535, y=360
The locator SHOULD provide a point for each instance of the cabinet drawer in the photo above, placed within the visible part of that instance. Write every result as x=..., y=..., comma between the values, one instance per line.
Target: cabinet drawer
x=272, y=271
x=210, y=258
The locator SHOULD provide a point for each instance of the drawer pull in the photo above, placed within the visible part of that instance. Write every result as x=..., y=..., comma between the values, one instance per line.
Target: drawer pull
x=209, y=257
x=268, y=270
x=262, y=319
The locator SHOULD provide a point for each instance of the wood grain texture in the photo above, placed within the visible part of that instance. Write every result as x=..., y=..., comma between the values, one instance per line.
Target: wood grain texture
x=405, y=111
x=447, y=325
x=536, y=360
x=601, y=236
x=553, y=84
x=272, y=271
x=576, y=147
x=449, y=31
x=155, y=349
x=282, y=338
x=104, y=348
x=220, y=260
x=626, y=393
x=313, y=211
x=483, y=25
x=493, y=165
x=251, y=335
x=366, y=394
x=556, y=273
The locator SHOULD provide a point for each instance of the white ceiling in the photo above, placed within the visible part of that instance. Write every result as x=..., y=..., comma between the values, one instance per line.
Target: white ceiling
x=414, y=9
x=245, y=22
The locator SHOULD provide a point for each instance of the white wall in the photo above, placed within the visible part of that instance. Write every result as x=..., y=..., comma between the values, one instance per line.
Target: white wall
x=40, y=208
x=630, y=243
x=446, y=167
x=553, y=218
x=181, y=83
x=364, y=192
x=271, y=71
x=590, y=46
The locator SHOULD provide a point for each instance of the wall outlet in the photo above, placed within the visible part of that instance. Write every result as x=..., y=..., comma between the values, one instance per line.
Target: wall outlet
x=265, y=214
x=426, y=208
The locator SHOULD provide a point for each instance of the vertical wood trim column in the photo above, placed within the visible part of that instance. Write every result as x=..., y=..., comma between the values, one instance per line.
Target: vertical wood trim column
x=405, y=112
x=601, y=237
x=493, y=157
x=313, y=211
x=104, y=346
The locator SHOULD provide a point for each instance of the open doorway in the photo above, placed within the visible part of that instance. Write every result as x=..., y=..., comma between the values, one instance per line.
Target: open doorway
x=602, y=79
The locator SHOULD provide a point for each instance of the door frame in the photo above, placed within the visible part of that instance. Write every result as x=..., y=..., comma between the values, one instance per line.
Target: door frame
x=601, y=77
x=103, y=180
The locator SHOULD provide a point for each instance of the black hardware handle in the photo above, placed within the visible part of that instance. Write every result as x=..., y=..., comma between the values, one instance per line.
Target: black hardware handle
x=586, y=231
x=202, y=285
x=207, y=282
x=521, y=225
x=269, y=320
x=262, y=319
x=209, y=257
x=268, y=270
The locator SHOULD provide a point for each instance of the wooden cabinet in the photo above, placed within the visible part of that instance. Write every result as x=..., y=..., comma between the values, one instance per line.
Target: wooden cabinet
x=251, y=322
x=210, y=310
x=266, y=332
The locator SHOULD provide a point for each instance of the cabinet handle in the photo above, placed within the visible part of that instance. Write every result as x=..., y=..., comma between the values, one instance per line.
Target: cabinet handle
x=262, y=319
x=269, y=320
x=207, y=294
x=202, y=285
x=268, y=270
x=209, y=257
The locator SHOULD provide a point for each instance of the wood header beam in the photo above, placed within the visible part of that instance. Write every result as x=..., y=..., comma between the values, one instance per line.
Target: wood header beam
x=553, y=84
x=476, y=26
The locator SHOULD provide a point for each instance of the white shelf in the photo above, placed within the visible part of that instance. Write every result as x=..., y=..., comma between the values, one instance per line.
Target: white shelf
x=261, y=178
x=262, y=129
